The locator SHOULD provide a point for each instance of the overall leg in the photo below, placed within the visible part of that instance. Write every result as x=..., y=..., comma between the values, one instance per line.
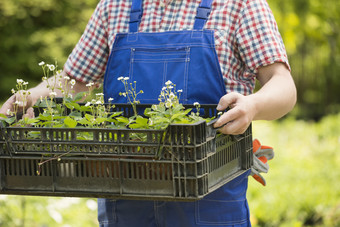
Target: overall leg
x=126, y=213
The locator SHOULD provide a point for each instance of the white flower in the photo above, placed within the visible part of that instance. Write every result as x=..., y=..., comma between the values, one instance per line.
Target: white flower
x=70, y=95
x=168, y=83
x=88, y=104
x=20, y=103
x=41, y=63
x=13, y=91
x=25, y=83
x=53, y=93
x=9, y=112
x=171, y=87
x=172, y=95
x=44, y=78
x=163, y=88
x=180, y=91
x=90, y=84
x=73, y=82
x=51, y=67
x=120, y=78
x=126, y=78
x=20, y=81
x=196, y=104
x=110, y=99
x=99, y=94
x=122, y=94
x=66, y=77
x=99, y=102
x=168, y=103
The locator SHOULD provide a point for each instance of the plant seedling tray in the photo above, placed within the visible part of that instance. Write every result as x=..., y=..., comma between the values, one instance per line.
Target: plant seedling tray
x=185, y=162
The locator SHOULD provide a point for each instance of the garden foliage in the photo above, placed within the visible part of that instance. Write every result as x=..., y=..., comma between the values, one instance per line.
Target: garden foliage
x=302, y=188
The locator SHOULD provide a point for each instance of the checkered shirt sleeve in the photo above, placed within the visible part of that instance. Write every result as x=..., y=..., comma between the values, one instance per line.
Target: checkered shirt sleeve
x=259, y=41
x=87, y=62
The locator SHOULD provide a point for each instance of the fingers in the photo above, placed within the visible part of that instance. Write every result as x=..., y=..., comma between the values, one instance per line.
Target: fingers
x=16, y=103
x=233, y=122
x=29, y=113
x=228, y=100
x=238, y=118
x=8, y=105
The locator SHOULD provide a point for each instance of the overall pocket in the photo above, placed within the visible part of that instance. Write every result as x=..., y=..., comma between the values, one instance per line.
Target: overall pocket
x=152, y=67
x=106, y=211
x=227, y=206
x=222, y=213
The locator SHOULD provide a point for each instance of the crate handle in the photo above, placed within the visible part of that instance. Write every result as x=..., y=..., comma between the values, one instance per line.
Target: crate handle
x=235, y=137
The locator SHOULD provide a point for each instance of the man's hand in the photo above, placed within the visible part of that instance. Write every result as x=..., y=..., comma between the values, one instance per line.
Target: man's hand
x=276, y=98
x=35, y=93
x=21, y=105
x=236, y=120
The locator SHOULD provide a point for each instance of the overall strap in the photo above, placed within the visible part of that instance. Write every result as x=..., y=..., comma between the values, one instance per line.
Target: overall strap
x=135, y=15
x=203, y=12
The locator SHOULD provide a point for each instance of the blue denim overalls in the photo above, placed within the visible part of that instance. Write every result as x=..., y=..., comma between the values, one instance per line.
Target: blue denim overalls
x=188, y=59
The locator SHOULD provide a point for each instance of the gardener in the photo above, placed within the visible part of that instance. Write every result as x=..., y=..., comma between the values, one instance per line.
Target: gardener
x=213, y=51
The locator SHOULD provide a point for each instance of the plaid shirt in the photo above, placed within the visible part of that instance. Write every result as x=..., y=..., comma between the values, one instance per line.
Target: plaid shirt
x=246, y=36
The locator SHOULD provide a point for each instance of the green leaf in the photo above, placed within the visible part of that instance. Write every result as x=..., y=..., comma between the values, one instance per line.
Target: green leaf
x=73, y=105
x=141, y=120
x=3, y=115
x=58, y=125
x=84, y=136
x=134, y=126
x=115, y=114
x=177, y=115
x=76, y=115
x=79, y=96
x=33, y=135
x=10, y=120
x=89, y=117
x=123, y=120
x=46, y=103
x=30, y=121
x=83, y=121
x=44, y=117
x=85, y=109
x=69, y=122
x=100, y=120
x=161, y=122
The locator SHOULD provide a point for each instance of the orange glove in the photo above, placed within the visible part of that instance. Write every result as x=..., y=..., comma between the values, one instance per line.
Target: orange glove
x=261, y=155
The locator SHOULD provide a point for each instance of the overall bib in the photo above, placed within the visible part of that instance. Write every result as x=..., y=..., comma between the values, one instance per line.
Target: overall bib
x=188, y=59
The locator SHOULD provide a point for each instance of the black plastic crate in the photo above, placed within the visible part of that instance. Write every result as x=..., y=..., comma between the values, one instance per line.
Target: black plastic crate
x=183, y=163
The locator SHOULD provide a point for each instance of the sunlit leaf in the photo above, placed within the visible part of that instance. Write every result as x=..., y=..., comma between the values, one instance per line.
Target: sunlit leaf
x=79, y=96
x=69, y=122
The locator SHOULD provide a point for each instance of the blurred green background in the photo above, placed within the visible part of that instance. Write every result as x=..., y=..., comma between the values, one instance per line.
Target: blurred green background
x=303, y=183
